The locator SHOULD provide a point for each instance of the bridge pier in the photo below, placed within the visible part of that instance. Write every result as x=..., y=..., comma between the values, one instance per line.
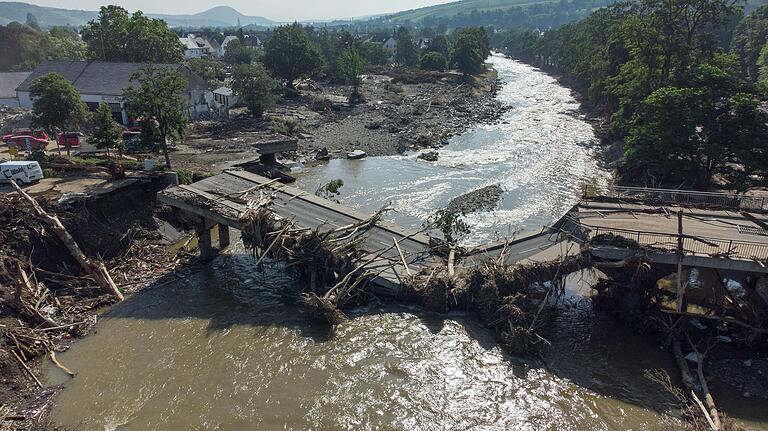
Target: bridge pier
x=224, y=240
x=205, y=239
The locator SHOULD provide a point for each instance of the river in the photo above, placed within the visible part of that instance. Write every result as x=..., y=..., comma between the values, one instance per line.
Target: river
x=225, y=350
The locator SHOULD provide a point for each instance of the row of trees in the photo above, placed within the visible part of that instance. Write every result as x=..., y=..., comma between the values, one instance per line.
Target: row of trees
x=291, y=53
x=156, y=97
x=685, y=103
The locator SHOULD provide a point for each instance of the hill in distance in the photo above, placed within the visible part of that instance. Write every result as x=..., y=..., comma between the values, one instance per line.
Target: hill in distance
x=447, y=10
x=220, y=16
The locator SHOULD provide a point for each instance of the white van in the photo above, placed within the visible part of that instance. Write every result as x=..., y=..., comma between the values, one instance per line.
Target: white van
x=21, y=172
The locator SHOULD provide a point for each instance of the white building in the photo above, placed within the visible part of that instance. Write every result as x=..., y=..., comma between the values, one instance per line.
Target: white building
x=191, y=48
x=224, y=97
x=224, y=43
x=8, y=83
x=99, y=81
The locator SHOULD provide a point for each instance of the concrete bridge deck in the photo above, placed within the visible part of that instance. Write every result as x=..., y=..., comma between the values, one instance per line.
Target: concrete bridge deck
x=218, y=201
x=726, y=238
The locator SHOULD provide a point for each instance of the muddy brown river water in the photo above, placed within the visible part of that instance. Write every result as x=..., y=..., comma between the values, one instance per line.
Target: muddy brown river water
x=225, y=349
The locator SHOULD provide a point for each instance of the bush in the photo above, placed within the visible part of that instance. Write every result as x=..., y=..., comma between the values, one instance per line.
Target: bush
x=288, y=126
x=433, y=61
x=116, y=170
x=185, y=176
x=50, y=173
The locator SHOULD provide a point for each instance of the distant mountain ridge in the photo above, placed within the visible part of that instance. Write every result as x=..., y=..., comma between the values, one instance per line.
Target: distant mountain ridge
x=445, y=10
x=220, y=16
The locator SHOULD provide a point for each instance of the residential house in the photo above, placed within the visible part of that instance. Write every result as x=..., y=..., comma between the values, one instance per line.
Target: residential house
x=224, y=97
x=191, y=48
x=390, y=44
x=99, y=81
x=8, y=83
x=424, y=43
x=224, y=44
x=198, y=46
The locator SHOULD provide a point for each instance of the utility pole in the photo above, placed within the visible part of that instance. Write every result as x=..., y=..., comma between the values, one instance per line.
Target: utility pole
x=680, y=284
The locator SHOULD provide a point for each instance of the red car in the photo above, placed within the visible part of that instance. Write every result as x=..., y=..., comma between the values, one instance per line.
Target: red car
x=71, y=139
x=39, y=134
x=27, y=143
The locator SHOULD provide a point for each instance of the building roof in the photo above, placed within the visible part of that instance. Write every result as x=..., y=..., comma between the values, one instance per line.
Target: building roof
x=101, y=77
x=9, y=81
x=225, y=91
x=188, y=43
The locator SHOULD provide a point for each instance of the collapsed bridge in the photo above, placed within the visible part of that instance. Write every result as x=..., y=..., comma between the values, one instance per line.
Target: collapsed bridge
x=219, y=202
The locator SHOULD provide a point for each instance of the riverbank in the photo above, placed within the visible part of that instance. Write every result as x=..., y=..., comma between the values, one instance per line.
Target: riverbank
x=402, y=110
x=47, y=302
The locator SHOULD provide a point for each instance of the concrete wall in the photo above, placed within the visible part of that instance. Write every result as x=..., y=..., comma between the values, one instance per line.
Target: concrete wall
x=14, y=102
x=24, y=100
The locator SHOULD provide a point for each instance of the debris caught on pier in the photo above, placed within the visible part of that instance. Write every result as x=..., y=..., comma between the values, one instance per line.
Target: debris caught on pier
x=329, y=264
x=511, y=300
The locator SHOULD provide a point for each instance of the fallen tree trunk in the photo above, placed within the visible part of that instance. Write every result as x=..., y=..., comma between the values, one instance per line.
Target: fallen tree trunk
x=96, y=270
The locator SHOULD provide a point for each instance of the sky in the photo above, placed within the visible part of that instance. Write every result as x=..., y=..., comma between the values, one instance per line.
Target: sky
x=284, y=10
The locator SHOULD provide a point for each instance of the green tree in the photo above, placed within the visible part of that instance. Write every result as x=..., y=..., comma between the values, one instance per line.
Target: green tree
x=433, y=61
x=32, y=21
x=238, y=53
x=710, y=129
x=117, y=36
x=106, y=133
x=374, y=53
x=406, y=52
x=440, y=45
x=290, y=54
x=351, y=66
x=254, y=87
x=158, y=99
x=470, y=50
x=151, y=41
x=56, y=105
x=212, y=70
x=748, y=40
x=106, y=36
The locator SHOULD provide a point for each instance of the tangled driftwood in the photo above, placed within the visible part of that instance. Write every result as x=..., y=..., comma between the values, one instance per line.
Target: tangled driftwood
x=508, y=299
x=329, y=264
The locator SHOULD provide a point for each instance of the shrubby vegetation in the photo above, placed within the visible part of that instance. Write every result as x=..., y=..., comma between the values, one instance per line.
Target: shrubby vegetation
x=686, y=102
x=255, y=88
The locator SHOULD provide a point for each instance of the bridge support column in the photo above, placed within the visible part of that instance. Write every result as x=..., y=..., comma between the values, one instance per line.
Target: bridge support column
x=204, y=239
x=223, y=236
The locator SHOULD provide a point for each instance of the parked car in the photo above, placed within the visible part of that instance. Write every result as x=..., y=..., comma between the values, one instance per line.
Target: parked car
x=132, y=143
x=71, y=139
x=27, y=143
x=21, y=172
x=39, y=134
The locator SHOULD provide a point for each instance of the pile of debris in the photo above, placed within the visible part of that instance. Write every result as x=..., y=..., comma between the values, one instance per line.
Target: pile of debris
x=13, y=118
x=50, y=291
x=329, y=264
x=511, y=300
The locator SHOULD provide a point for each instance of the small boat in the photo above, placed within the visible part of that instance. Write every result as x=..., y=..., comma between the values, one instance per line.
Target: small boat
x=357, y=154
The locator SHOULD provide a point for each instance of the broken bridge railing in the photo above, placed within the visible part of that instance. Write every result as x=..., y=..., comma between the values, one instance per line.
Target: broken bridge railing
x=692, y=245
x=678, y=197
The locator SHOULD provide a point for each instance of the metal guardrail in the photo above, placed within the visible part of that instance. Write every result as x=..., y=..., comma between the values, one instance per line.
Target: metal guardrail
x=702, y=246
x=680, y=197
